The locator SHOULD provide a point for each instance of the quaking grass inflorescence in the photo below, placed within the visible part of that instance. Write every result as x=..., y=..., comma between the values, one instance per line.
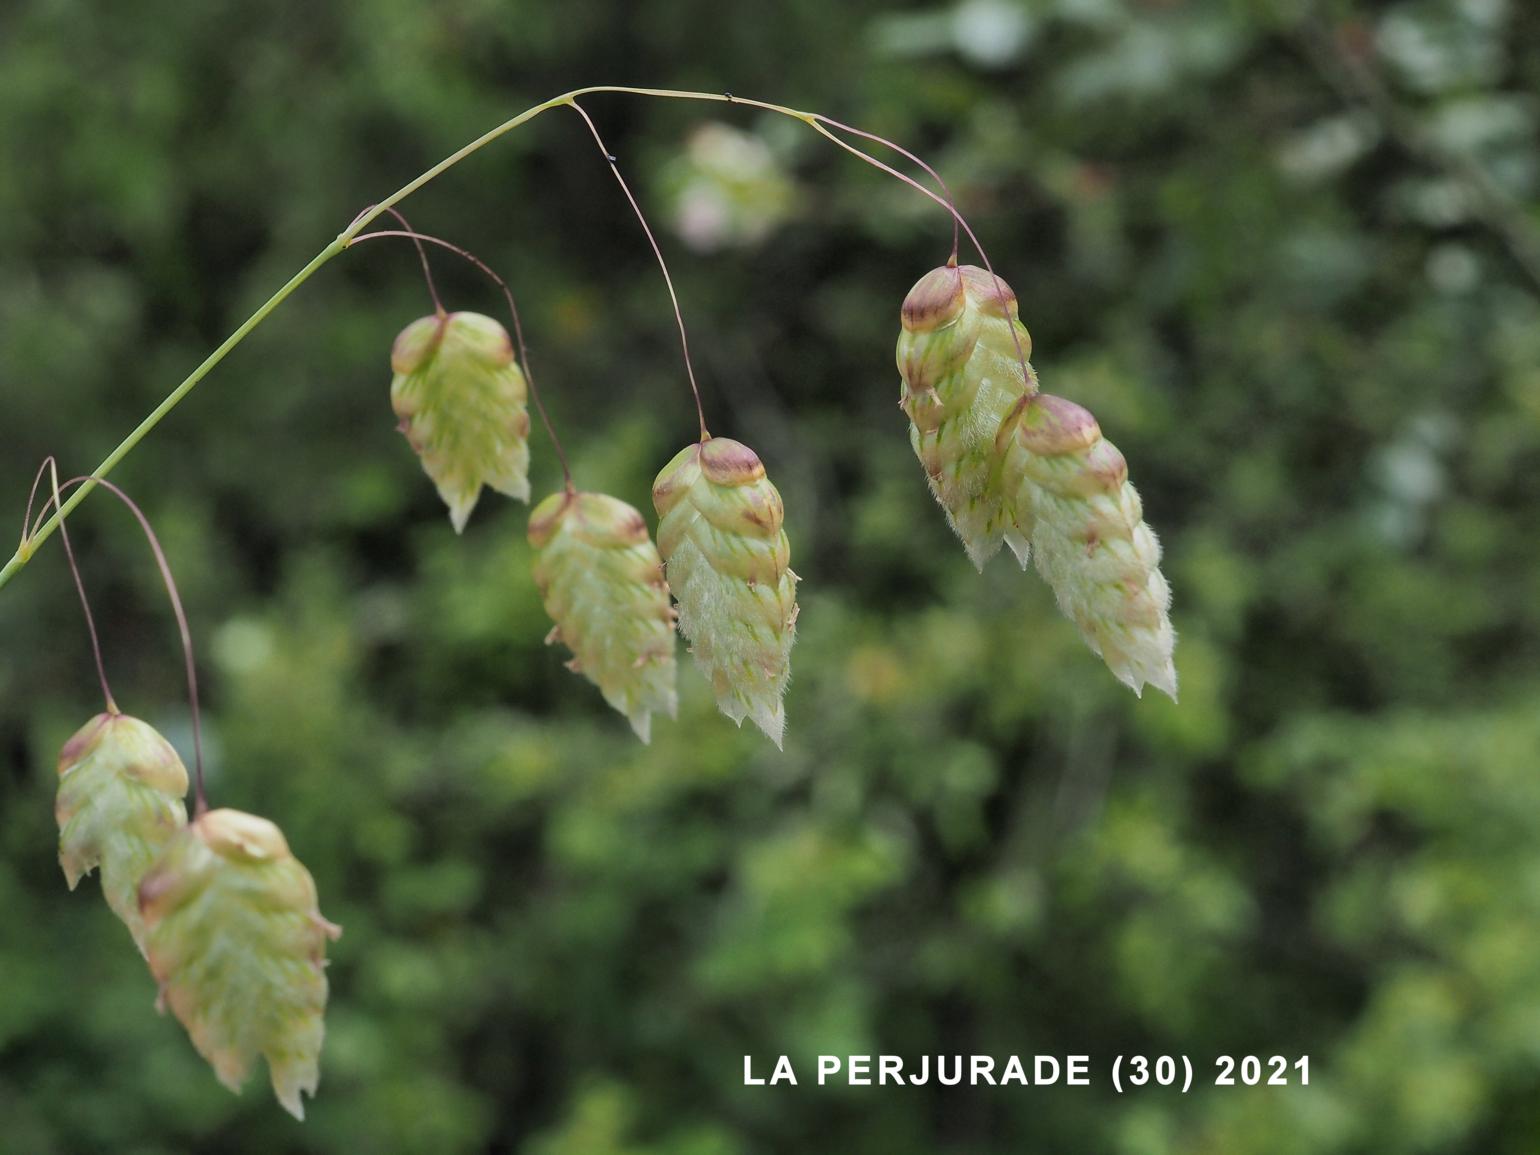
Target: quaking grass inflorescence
x=228, y=918
x=236, y=940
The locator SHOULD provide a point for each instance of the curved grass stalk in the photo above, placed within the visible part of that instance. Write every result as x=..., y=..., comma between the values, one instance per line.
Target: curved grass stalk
x=815, y=121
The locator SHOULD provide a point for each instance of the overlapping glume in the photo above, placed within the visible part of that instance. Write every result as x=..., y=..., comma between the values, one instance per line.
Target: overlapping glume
x=237, y=943
x=461, y=400
x=962, y=373
x=1091, y=543
x=121, y=787
x=728, y=562
x=602, y=582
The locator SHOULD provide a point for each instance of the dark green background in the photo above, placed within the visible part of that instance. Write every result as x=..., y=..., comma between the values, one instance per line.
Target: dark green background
x=1280, y=253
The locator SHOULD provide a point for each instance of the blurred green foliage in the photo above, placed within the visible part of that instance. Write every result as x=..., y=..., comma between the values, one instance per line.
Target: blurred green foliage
x=1280, y=252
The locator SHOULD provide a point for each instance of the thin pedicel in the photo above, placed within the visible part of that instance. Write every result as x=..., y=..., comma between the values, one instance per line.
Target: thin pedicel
x=427, y=270
x=50, y=467
x=818, y=123
x=684, y=338
x=951, y=201
x=200, y=800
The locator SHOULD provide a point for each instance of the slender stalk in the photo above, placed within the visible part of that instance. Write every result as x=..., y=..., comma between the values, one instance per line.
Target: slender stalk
x=26, y=518
x=80, y=484
x=486, y=138
x=156, y=415
x=422, y=255
x=50, y=467
x=951, y=201
x=513, y=311
x=28, y=547
x=684, y=338
x=1021, y=354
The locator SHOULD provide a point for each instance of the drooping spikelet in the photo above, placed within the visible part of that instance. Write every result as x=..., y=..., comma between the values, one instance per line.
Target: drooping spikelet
x=121, y=787
x=460, y=396
x=602, y=582
x=238, y=946
x=728, y=560
x=1092, y=544
x=962, y=373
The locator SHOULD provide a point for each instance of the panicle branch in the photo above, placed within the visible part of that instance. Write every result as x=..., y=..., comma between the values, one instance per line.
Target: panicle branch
x=951, y=201
x=51, y=468
x=200, y=800
x=684, y=337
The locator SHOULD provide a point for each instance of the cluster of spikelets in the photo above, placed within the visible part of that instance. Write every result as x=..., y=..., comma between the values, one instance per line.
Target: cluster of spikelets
x=721, y=553
x=1009, y=465
x=1013, y=465
x=226, y=917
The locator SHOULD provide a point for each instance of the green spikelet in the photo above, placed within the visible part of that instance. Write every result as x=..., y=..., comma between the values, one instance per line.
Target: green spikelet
x=121, y=787
x=238, y=947
x=1092, y=544
x=461, y=400
x=719, y=531
x=602, y=582
x=961, y=376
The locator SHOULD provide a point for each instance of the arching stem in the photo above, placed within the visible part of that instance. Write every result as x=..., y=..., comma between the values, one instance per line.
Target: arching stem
x=513, y=311
x=684, y=337
x=28, y=547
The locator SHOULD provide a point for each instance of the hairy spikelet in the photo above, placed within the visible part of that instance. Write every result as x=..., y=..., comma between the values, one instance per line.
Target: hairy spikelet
x=460, y=396
x=602, y=582
x=238, y=946
x=961, y=376
x=121, y=787
x=728, y=561
x=1092, y=544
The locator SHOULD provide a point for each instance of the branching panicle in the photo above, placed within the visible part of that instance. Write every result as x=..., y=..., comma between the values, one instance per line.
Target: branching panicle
x=229, y=920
